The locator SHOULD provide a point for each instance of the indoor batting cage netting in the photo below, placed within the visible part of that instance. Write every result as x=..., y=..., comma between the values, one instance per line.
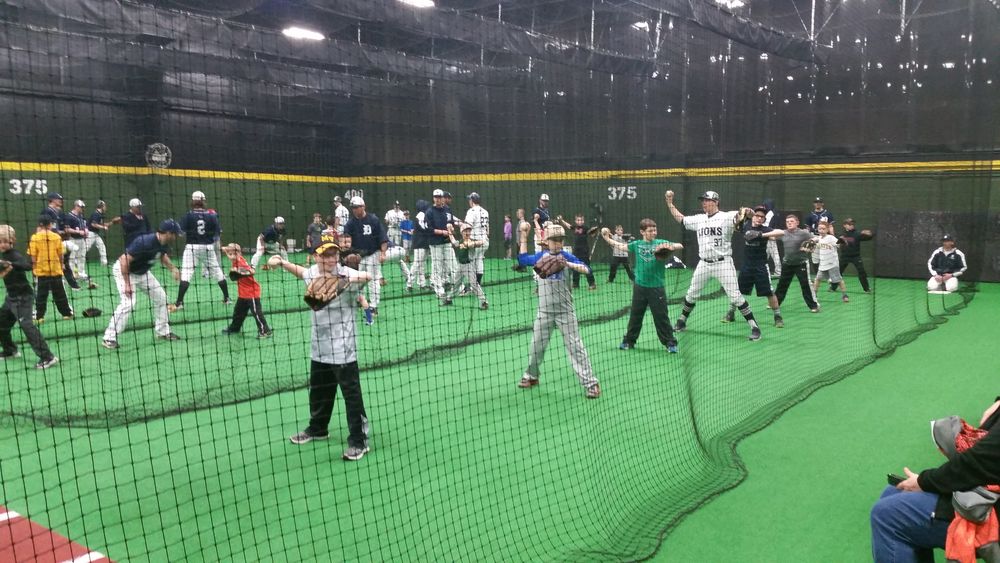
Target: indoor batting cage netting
x=168, y=395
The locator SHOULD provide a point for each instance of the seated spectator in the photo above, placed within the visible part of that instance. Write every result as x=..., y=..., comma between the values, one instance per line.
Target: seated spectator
x=945, y=265
x=913, y=518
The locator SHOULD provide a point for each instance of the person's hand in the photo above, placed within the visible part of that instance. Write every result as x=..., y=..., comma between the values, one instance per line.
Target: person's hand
x=939, y=279
x=605, y=232
x=128, y=291
x=381, y=257
x=910, y=483
x=177, y=274
x=947, y=277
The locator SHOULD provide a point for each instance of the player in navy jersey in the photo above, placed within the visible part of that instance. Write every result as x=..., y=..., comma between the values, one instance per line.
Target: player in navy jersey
x=132, y=272
x=540, y=216
x=370, y=240
x=96, y=224
x=53, y=211
x=270, y=242
x=754, y=273
x=135, y=222
x=201, y=229
x=74, y=228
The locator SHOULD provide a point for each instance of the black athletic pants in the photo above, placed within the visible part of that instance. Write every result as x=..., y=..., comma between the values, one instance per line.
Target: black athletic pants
x=68, y=271
x=859, y=266
x=17, y=310
x=620, y=261
x=655, y=298
x=246, y=306
x=323, y=382
x=590, y=276
x=55, y=285
x=799, y=271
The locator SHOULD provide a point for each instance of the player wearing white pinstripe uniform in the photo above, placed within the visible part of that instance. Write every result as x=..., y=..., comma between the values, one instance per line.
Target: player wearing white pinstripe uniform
x=715, y=232
x=479, y=219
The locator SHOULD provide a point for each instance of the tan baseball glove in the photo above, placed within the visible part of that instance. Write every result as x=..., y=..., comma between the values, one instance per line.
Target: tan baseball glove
x=550, y=264
x=324, y=289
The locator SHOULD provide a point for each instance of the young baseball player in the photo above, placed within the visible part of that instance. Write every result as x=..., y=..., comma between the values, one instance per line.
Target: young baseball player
x=850, y=251
x=753, y=273
x=521, y=221
x=200, y=228
x=46, y=251
x=539, y=216
x=946, y=264
x=820, y=214
x=648, y=292
x=824, y=254
x=271, y=242
x=334, y=354
x=14, y=268
x=466, y=266
x=421, y=248
x=715, y=232
x=619, y=255
x=794, y=263
x=479, y=218
x=393, y=223
x=340, y=215
x=508, y=235
x=555, y=308
x=132, y=271
x=314, y=235
x=247, y=294
x=406, y=231
x=95, y=226
x=351, y=257
x=581, y=246
x=770, y=220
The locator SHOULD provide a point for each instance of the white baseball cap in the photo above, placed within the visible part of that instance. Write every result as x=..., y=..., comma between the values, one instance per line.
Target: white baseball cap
x=279, y=219
x=79, y=203
x=357, y=202
x=198, y=196
x=544, y=197
x=134, y=202
x=438, y=193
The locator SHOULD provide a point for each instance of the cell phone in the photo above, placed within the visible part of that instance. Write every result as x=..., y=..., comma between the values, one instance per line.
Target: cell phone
x=895, y=479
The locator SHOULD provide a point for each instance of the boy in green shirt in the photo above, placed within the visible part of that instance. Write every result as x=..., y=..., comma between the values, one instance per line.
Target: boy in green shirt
x=648, y=290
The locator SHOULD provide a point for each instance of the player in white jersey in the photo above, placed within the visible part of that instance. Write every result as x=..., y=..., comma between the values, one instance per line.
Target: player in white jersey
x=341, y=214
x=479, y=219
x=393, y=218
x=715, y=232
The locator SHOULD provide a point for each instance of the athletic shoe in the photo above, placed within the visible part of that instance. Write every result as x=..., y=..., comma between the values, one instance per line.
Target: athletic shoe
x=484, y=306
x=39, y=321
x=845, y=299
x=814, y=309
x=68, y=317
x=594, y=392
x=592, y=288
x=831, y=289
x=672, y=348
x=408, y=289
x=75, y=287
x=226, y=301
x=354, y=453
x=169, y=336
x=680, y=326
x=109, y=344
x=527, y=382
x=465, y=291
x=779, y=322
x=729, y=317
x=265, y=334
x=369, y=316
x=46, y=364
x=229, y=332
x=755, y=334
x=92, y=285
x=446, y=302
x=14, y=354
x=626, y=346
x=305, y=437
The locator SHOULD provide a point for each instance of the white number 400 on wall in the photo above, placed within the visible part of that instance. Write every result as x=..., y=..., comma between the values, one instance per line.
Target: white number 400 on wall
x=27, y=186
x=621, y=192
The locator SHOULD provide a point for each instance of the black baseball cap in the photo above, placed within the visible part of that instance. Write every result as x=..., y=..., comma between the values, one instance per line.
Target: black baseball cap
x=947, y=237
x=818, y=200
x=53, y=195
x=760, y=209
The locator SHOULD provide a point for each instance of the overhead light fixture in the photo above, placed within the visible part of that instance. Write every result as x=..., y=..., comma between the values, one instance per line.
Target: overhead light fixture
x=301, y=33
x=419, y=3
x=641, y=26
x=730, y=4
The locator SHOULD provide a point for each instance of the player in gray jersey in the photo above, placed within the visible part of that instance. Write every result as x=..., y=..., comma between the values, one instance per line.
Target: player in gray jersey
x=794, y=263
x=715, y=232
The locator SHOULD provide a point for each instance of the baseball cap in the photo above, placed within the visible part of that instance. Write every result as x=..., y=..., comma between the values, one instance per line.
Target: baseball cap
x=544, y=197
x=466, y=227
x=760, y=209
x=198, y=196
x=79, y=203
x=554, y=232
x=279, y=219
x=44, y=220
x=169, y=226
x=849, y=221
x=54, y=195
x=397, y=203
x=947, y=237
x=336, y=199
x=447, y=194
x=474, y=196
x=818, y=200
x=438, y=193
x=134, y=202
x=326, y=246
x=357, y=202
x=714, y=196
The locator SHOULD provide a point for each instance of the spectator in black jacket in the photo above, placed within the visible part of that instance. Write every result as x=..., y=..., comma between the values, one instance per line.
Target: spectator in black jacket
x=18, y=306
x=850, y=252
x=945, y=265
x=912, y=518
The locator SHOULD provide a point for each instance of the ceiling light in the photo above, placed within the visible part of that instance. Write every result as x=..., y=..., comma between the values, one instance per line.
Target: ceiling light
x=730, y=4
x=640, y=26
x=419, y=3
x=300, y=33
x=948, y=65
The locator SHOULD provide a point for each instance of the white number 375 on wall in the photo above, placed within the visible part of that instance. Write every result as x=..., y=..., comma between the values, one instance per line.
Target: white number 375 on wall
x=617, y=193
x=27, y=186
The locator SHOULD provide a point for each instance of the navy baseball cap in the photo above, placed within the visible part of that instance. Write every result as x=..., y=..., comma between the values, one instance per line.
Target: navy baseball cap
x=170, y=226
x=947, y=237
x=54, y=195
x=473, y=197
x=818, y=200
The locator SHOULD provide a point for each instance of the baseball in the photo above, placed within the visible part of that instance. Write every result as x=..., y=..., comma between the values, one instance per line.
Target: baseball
x=274, y=261
x=605, y=231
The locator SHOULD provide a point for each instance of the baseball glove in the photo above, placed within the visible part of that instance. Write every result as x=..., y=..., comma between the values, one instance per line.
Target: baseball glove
x=238, y=273
x=324, y=289
x=4, y=264
x=550, y=264
x=352, y=261
x=662, y=252
x=808, y=246
x=751, y=235
x=91, y=312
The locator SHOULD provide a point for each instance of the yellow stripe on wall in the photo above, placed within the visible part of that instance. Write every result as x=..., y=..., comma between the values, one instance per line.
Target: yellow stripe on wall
x=718, y=171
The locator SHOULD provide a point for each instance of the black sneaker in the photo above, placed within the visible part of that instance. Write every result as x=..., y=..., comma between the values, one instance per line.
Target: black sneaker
x=484, y=305
x=779, y=322
x=169, y=336
x=265, y=334
x=625, y=346
x=46, y=364
x=754, y=334
x=305, y=437
x=14, y=354
x=729, y=317
x=681, y=326
x=229, y=332
x=354, y=453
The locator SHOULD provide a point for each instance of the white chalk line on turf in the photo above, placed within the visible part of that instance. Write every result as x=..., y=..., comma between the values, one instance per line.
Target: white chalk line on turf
x=87, y=558
x=10, y=515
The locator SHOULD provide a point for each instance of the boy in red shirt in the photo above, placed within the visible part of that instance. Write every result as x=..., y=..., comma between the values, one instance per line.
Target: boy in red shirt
x=248, y=296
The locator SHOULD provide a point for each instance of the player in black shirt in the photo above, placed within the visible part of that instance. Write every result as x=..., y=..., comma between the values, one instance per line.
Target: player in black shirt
x=18, y=307
x=540, y=216
x=581, y=246
x=96, y=224
x=754, y=273
x=134, y=223
x=850, y=252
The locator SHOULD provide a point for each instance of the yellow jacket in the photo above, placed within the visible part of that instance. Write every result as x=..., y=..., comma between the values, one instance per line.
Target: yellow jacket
x=46, y=251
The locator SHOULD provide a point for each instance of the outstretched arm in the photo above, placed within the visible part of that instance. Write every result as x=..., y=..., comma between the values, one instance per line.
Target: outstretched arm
x=678, y=216
x=606, y=235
